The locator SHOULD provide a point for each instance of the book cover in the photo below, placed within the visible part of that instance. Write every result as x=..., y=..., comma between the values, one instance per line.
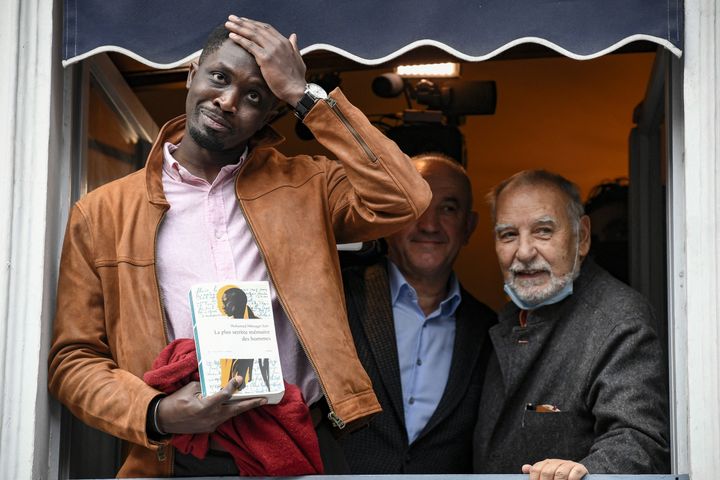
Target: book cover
x=235, y=335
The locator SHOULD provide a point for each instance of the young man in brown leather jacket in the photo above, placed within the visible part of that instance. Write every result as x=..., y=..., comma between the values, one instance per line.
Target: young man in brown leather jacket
x=126, y=252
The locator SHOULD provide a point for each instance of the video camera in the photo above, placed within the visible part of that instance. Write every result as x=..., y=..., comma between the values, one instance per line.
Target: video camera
x=435, y=128
x=452, y=98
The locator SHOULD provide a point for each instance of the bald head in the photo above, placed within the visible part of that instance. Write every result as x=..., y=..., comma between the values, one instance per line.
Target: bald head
x=439, y=162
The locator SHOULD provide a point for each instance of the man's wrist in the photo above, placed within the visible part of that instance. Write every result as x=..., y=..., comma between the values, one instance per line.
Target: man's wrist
x=311, y=95
x=296, y=95
x=152, y=425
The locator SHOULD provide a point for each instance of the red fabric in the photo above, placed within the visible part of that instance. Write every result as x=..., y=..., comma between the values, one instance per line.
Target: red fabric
x=272, y=440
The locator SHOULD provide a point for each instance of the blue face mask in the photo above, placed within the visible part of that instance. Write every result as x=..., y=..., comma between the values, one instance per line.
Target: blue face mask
x=566, y=291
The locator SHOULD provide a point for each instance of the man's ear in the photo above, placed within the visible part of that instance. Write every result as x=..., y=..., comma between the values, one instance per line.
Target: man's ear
x=584, y=233
x=470, y=225
x=191, y=74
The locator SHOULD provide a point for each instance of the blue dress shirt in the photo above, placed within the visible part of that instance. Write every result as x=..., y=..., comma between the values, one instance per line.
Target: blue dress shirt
x=425, y=348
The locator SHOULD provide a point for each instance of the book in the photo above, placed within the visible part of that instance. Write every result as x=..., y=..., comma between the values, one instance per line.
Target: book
x=234, y=334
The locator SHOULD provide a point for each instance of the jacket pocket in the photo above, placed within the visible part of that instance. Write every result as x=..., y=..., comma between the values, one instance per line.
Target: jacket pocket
x=554, y=435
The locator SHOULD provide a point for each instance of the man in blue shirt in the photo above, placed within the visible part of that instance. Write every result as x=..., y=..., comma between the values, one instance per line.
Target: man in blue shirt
x=421, y=337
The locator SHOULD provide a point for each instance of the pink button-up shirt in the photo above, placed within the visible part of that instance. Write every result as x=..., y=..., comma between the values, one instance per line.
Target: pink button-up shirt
x=204, y=238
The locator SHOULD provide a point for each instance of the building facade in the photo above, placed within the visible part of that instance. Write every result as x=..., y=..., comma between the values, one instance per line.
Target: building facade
x=37, y=124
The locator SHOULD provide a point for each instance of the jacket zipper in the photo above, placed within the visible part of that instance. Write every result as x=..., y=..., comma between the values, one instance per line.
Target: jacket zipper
x=343, y=119
x=157, y=281
x=332, y=416
x=161, y=454
x=161, y=450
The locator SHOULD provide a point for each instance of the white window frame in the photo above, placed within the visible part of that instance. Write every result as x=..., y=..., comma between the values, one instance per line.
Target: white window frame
x=695, y=240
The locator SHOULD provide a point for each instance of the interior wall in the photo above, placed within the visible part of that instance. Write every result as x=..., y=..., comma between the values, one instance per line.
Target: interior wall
x=567, y=116
x=571, y=117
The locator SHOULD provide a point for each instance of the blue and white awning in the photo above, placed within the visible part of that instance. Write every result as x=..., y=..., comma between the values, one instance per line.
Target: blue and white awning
x=166, y=34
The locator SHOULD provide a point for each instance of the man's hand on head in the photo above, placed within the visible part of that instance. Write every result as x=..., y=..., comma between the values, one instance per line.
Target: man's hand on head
x=278, y=57
x=555, y=469
x=186, y=411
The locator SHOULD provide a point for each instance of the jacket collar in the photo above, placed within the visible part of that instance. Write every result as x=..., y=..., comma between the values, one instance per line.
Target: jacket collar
x=377, y=322
x=173, y=132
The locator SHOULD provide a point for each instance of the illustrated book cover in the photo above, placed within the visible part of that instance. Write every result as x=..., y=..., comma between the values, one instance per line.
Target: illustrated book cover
x=235, y=335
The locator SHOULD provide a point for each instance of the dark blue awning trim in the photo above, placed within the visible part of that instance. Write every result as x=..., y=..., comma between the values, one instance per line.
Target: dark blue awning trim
x=167, y=34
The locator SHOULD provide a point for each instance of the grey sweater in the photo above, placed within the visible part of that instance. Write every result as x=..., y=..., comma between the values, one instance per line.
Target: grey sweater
x=596, y=357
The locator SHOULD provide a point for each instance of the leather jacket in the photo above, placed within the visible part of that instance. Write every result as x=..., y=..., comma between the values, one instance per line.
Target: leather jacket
x=110, y=324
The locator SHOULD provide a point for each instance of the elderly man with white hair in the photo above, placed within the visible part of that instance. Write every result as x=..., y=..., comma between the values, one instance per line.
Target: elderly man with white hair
x=577, y=382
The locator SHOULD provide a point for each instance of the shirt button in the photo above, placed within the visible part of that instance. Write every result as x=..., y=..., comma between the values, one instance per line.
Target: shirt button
x=411, y=400
x=218, y=234
x=419, y=362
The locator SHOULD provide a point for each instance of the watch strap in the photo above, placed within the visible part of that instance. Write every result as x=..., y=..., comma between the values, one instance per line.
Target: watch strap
x=311, y=95
x=305, y=104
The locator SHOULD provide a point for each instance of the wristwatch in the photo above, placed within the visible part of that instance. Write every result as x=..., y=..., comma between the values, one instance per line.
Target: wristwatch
x=312, y=94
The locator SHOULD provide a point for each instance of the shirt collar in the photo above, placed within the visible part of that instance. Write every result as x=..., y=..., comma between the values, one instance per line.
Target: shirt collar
x=179, y=173
x=398, y=286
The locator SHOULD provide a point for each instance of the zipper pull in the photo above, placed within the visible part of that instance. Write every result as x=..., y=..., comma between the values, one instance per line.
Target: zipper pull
x=335, y=420
x=161, y=454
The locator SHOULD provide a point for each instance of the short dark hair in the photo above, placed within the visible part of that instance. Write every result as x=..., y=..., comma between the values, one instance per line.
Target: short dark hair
x=214, y=40
x=535, y=177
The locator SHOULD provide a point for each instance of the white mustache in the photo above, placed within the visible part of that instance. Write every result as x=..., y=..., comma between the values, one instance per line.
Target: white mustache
x=535, y=266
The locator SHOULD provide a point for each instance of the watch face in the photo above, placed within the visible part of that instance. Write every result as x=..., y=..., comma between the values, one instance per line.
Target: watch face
x=316, y=91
